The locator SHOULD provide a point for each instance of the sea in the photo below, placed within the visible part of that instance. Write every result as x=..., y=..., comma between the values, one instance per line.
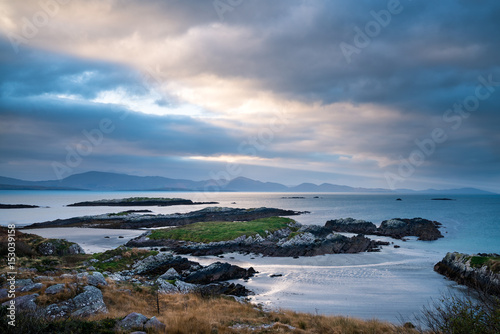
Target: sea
x=393, y=284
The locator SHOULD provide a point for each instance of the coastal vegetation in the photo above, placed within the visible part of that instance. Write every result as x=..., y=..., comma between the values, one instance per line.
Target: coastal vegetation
x=222, y=231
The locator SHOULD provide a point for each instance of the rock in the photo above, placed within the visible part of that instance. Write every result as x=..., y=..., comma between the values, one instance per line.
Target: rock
x=23, y=282
x=55, y=289
x=422, y=228
x=351, y=225
x=155, y=324
x=43, y=278
x=219, y=272
x=166, y=287
x=24, y=303
x=29, y=287
x=132, y=321
x=4, y=293
x=59, y=247
x=158, y=264
x=225, y=288
x=184, y=287
x=96, y=279
x=88, y=302
x=276, y=275
x=170, y=274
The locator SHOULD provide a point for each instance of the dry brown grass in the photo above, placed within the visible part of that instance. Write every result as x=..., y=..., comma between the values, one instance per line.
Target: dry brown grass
x=191, y=313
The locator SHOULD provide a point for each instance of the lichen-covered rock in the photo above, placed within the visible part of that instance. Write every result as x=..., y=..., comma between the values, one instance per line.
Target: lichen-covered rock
x=24, y=303
x=166, y=287
x=30, y=287
x=55, y=289
x=95, y=279
x=89, y=302
x=132, y=321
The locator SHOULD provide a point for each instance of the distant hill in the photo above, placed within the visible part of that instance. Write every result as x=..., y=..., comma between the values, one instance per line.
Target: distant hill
x=101, y=181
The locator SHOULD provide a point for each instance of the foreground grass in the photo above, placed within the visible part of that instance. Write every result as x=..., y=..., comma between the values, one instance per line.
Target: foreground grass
x=222, y=231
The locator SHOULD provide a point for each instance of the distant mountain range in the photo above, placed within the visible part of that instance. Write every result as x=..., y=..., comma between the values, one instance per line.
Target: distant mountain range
x=101, y=181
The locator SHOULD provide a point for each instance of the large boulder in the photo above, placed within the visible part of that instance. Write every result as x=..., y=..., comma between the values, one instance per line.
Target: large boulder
x=89, y=302
x=85, y=304
x=95, y=279
x=219, y=271
x=155, y=324
x=132, y=321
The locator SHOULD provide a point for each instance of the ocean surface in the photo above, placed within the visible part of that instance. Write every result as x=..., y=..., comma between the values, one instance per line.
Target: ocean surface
x=388, y=285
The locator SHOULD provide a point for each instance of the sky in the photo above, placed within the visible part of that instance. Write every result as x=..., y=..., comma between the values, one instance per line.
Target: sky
x=390, y=94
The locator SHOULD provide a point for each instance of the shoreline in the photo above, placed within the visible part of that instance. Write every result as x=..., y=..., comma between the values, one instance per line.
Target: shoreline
x=380, y=285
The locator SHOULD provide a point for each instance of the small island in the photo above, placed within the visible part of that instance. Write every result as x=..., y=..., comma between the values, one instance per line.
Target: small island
x=134, y=220
x=140, y=201
x=282, y=237
x=17, y=206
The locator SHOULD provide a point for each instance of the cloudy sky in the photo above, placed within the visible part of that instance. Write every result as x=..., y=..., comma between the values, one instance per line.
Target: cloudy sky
x=392, y=94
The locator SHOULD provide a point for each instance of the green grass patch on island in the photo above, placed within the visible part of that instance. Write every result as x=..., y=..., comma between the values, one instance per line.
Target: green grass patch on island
x=493, y=263
x=222, y=231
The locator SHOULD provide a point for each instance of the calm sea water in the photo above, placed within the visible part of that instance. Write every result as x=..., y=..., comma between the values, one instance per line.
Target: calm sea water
x=393, y=283
x=470, y=223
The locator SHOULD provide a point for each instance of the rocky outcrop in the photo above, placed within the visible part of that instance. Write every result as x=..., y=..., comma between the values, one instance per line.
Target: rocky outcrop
x=422, y=228
x=134, y=220
x=59, y=247
x=140, y=201
x=396, y=228
x=481, y=271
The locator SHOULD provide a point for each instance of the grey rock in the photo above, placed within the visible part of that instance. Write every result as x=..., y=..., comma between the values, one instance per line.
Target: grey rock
x=170, y=274
x=24, y=303
x=43, y=278
x=54, y=289
x=29, y=287
x=166, y=287
x=89, y=302
x=96, y=279
x=23, y=282
x=156, y=324
x=132, y=321
x=185, y=287
x=4, y=293
x=75, y=249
